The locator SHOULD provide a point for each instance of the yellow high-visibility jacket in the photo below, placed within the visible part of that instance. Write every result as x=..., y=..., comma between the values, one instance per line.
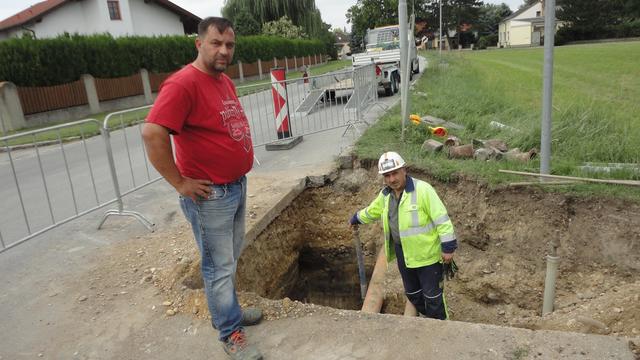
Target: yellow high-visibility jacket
x=422, y=220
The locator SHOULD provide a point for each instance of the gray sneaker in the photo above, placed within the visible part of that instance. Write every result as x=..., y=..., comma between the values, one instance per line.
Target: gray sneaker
x=250, y=316
x=237, y=347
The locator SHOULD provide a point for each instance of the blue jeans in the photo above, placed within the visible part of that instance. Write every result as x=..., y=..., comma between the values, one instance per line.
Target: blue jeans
x=218, y=227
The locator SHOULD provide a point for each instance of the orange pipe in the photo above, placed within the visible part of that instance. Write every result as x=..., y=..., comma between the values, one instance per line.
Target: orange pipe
x=375, y=292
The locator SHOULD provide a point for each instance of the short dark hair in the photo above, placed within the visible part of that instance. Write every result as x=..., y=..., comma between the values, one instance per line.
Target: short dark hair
x=220, y=23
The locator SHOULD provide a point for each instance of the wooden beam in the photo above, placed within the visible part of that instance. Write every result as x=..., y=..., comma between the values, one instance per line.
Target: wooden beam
x=601, y=181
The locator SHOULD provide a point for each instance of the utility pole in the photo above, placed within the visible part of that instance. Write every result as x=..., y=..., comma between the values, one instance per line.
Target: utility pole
x=404, y=51
x=547, y=93
x=549, y=7
x=440, y=36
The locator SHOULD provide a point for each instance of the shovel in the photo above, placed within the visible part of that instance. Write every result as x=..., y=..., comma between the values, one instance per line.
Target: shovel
x=359, y=255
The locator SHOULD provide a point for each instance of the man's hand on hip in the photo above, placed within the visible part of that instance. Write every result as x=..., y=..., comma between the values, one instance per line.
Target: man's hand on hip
x=194, y=188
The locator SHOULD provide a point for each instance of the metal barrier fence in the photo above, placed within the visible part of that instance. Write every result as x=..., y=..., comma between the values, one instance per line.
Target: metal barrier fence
x=53, y=182
x=134, y=173
x=315, y=104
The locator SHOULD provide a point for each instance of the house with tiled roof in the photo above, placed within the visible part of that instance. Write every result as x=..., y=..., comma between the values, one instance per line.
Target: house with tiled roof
x=51, y=18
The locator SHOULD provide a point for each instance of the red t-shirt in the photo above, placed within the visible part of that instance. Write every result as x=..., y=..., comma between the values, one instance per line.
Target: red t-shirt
x=211, y=132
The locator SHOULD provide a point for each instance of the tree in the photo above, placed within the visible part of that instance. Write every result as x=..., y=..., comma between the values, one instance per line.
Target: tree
x=528, y=3
x=591, y=19
x=456, y=14
x=368, y=14
x=284, y=28
x=490, y=17
x=244, y=24
x=303, y=13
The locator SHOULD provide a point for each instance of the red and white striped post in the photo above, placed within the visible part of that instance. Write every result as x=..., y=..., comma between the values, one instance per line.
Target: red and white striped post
x=280, y=106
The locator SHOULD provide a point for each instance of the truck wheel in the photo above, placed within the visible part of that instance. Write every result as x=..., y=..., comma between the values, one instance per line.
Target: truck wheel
x=395, y=83
x=388, y=91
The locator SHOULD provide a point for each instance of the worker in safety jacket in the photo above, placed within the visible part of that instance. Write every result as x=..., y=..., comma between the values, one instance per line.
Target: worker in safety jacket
x=417, y=232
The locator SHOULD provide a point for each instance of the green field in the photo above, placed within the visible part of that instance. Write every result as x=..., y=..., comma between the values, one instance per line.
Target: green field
x=596, y=102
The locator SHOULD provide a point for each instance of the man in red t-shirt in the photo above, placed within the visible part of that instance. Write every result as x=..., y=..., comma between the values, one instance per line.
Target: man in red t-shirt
x=198, y=105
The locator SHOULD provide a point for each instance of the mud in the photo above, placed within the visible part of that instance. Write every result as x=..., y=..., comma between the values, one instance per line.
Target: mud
x=307, y=254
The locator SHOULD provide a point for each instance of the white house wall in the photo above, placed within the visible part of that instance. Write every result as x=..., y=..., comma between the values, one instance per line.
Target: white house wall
x=520, y=33
x=92, y=17
x=150, y=19
x=114, y=27
x=530, y=13
x=67, y=18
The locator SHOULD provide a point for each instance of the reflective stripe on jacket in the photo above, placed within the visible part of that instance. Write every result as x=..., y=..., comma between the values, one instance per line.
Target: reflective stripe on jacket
x=422, y=220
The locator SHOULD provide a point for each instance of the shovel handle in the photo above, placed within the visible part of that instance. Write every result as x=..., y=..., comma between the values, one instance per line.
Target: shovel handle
x=360, y=257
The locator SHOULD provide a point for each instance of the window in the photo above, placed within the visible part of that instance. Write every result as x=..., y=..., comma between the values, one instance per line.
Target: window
x=538, y=13
x=114, y=10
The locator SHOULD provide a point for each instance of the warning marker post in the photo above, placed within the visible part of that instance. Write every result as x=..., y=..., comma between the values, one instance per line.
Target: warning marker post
x=281, y=112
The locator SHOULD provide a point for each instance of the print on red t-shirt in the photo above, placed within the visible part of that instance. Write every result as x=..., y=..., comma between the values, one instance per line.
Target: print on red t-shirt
x=211, y=132
x=233, y=118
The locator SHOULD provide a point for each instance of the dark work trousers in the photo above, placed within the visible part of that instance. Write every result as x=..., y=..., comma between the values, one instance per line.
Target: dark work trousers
x=423, y=287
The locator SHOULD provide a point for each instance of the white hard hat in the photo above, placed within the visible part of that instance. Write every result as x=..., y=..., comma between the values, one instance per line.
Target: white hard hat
x=390, y=161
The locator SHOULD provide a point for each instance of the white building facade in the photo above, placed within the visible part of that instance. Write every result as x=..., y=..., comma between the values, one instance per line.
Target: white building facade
x=116, y=17
x=525, y=27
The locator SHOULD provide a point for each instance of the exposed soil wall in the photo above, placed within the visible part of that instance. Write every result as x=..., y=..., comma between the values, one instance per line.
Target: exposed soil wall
x=307, y=254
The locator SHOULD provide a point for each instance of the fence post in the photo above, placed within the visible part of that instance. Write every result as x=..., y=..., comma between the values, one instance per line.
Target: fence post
x=92, y=94
x=146, y=86
x=11, y=114
x=240, y=71
x=260, y=68
x=286, y=64
x=295, y=62
x=275, y=62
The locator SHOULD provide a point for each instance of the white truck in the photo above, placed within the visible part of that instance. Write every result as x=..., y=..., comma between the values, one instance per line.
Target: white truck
x=383, y=49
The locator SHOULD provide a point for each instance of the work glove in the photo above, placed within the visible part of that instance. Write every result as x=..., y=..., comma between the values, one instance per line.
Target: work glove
x=354, y=219
x=449, y=270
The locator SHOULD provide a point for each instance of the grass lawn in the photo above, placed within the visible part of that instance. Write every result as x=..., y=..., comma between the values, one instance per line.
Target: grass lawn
x=596, y=115
x=128, y=119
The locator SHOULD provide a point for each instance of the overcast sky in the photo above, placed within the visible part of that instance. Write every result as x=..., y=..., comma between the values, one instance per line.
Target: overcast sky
x=332, y=11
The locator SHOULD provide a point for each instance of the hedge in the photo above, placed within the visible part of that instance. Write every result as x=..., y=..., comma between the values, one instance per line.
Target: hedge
x=46, y=62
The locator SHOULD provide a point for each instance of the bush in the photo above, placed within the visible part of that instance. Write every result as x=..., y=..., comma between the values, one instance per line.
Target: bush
x=487, y=40
x=46, y=62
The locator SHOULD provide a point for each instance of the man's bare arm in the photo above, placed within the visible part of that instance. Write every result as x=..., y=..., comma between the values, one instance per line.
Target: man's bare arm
x=158, y=145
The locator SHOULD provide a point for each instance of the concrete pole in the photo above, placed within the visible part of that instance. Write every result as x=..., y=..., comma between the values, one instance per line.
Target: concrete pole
x=286, y=64
x=146, y=86
x=547, y=94
x=92, y=93
x=11, y=113
x=240, y=71
x=404, y=39
x=260, y=68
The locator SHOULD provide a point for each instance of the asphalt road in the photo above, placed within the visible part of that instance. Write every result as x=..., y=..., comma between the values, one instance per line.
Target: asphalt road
x=43, y=186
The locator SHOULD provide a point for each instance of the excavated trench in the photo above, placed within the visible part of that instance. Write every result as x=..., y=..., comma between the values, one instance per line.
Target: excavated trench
x=307, y=254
